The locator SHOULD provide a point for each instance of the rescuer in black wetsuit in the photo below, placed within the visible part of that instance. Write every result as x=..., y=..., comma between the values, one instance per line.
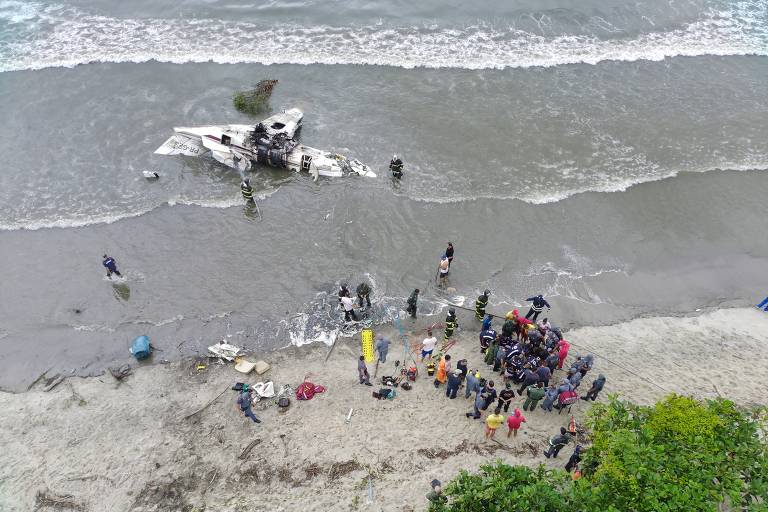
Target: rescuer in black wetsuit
x=396, y=166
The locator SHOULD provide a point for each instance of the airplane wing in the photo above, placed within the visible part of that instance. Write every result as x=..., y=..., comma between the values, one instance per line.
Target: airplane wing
x=180, y=144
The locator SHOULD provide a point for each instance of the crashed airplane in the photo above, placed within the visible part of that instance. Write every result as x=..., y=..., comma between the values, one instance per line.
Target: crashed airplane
x=270, y=142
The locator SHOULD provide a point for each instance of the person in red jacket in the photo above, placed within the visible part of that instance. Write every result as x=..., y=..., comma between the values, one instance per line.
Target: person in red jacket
x=563, y=347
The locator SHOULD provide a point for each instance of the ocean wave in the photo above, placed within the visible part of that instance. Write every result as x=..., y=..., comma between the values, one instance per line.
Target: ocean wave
x=620, y=185
x=77, y=221
x=66, y=37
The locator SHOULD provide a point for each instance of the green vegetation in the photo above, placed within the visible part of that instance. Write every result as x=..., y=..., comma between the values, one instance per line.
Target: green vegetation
x=679, y=455
x=254, y=101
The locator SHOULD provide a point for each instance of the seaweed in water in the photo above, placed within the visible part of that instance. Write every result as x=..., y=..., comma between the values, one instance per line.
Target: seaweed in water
x=256, y=100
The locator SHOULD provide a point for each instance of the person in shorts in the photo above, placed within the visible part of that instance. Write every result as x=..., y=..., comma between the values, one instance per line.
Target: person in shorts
x=428, y=345
x=492, y=422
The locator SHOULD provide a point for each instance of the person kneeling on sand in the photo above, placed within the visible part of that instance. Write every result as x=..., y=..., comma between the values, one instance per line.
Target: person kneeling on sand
x=244, y=400
x=492, y=422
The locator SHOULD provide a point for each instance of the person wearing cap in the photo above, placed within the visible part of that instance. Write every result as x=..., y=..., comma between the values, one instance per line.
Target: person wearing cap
x=396, y=166
x=534, y=394
x=480, y=304
x=454, y=382
x=244, y=400
x=538, y=302
x=436, y=494
x=109, y=263
x=473, y=383
x=382, y=347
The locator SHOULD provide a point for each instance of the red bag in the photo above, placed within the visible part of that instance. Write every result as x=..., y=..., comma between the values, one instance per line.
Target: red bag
x=305, y=391
x=568, y=398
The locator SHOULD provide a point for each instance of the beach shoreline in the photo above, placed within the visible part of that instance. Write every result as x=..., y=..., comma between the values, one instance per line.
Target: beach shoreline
x=126, y=446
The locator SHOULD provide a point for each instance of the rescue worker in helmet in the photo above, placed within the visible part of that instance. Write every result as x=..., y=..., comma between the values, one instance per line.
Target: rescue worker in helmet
x=480, y=305
x=247, y=190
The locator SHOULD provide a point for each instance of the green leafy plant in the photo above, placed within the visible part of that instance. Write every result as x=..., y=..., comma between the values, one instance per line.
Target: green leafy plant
x=254, y=101
x=679, y=455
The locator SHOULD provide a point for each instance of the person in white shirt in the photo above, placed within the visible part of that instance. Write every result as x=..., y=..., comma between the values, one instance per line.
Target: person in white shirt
x=428, y=345
x=349, y=309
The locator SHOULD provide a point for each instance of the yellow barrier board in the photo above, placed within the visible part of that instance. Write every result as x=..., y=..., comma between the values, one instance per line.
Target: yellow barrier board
x=367, y=341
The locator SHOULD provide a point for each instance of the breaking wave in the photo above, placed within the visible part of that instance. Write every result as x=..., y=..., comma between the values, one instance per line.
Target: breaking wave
x=55, y=36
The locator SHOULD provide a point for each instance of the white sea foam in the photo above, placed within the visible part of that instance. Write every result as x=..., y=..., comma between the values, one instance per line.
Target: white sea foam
x=71, y=37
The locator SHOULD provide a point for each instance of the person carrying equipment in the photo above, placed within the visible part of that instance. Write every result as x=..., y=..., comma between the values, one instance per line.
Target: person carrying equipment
x=349, y=309
x=480, y=305
x=449, y=253
x=364, y=294
x=450, y=325
x=396, y=166
x=111, y=266
x=247, y=190
x=412, y=303
x=537, y=307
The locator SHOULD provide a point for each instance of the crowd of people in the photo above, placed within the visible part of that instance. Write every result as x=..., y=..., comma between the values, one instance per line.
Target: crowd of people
x=522, y=361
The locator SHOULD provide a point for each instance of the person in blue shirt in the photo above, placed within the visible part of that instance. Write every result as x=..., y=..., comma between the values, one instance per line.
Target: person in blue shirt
x=486, y=322
x=111, y=266
x=537, y=307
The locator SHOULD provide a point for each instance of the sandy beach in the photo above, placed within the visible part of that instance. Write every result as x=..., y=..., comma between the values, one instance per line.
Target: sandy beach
x=96, y=444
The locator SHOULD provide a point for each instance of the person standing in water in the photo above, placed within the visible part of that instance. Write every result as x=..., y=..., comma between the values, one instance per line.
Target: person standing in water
x=449, y=253
x=364, y=294
x=111, y=266
x=443, y=270
x=247, y=190
x=412, y=300
x=396, y=166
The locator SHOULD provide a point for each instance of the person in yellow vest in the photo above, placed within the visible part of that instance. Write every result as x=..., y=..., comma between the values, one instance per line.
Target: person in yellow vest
x=450, y=326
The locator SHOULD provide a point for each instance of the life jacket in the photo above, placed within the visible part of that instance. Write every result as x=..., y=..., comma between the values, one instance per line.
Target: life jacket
x=247, y=191
x=450, y=324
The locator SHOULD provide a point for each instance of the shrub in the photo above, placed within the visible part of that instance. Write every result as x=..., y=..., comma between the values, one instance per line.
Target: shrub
x=679, y=455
